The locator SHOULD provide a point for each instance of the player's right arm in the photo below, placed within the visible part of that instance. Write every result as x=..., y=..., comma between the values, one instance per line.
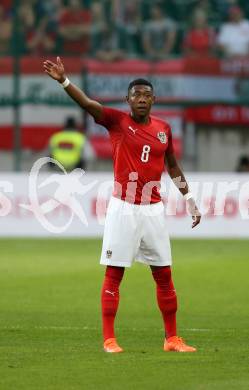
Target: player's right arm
x=57, y=72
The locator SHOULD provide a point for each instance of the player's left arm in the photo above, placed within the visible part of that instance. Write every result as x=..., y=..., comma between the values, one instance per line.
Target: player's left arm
x=179, y=180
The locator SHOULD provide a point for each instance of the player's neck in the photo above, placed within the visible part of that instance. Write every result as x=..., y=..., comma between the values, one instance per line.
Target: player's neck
x=141, y=119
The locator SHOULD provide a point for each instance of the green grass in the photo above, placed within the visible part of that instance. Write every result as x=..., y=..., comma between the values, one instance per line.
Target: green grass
x=50, y=329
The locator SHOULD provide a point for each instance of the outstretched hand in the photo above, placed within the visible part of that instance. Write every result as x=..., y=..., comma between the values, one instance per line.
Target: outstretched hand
x=193, y=210
x=56, y=71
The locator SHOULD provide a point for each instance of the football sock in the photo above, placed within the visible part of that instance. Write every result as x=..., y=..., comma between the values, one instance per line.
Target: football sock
x=110, y=299
x=166, y=298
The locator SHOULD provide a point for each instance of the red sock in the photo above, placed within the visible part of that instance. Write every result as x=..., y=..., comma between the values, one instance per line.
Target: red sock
x=166, y=298
x=110, y=299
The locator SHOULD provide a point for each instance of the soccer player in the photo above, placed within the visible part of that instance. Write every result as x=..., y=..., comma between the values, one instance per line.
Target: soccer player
x=135, y=226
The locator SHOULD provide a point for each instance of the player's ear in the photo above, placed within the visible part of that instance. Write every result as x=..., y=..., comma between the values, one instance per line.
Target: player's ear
x=153, y=99
x=127, y=99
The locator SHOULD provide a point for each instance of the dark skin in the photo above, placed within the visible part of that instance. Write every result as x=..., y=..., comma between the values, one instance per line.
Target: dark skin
x=140, y=99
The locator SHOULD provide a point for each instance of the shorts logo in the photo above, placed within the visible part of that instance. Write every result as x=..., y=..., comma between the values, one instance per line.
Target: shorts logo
x=108, y=254
x=162, y=137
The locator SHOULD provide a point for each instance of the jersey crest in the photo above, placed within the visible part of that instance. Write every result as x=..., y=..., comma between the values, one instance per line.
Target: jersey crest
x=162, y=137
x=108, y=254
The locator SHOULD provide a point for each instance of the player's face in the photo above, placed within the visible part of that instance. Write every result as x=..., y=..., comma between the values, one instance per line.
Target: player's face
x=140, y=99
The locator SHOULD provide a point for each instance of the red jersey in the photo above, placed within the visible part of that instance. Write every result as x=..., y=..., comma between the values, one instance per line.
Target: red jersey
x=200, y=41
x=71, y=18
x=138, y=155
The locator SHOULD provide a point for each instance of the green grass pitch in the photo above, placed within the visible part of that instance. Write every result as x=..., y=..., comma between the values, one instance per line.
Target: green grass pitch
x=50, y=328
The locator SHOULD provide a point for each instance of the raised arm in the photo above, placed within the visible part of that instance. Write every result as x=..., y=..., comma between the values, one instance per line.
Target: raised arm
x=178, y=178
x=57, y=72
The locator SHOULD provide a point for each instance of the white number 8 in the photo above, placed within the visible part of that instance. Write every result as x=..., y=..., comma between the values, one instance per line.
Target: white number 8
x=145, y=153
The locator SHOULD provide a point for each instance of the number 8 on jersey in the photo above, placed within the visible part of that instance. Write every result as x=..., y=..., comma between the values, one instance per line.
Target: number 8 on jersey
x=145, y=153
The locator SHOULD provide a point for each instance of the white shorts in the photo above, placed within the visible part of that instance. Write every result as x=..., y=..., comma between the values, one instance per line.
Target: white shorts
x=135, y=232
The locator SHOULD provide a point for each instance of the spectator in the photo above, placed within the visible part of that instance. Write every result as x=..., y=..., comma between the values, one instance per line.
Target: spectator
x=128, y=15
x=205, y=6
x=41, y=40
x=6, y=31
x=7, y=5
x=27, y=23
x=210, y=10
x=132, y=25
x=245, y=5
x=243, y=164
x=223, y=7
x=107, y=45
x=200, y=38
x=67, y=146
x=159, y=34
x=98, y=21
x=74, y=29
x=175, y=9
x=52, y=10
x=233, y=39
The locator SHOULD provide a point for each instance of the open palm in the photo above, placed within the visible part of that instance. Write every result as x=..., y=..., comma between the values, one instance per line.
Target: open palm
x=56, y=71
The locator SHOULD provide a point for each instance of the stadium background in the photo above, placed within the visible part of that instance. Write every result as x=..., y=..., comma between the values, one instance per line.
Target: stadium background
x=202, y=88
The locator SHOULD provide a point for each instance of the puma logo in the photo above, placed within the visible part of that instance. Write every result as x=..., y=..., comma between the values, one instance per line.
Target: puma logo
x=133, y=130
x=110, y=292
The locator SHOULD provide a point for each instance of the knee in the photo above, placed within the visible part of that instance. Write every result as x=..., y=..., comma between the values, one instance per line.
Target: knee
x=162, y=274
x=115, y=273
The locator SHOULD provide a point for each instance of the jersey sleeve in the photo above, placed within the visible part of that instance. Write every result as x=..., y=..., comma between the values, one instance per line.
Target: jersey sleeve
x=170, y=148
x=110, y=117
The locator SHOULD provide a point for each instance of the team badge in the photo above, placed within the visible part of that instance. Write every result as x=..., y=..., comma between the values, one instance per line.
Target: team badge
x=162, y=137
x=108, y=254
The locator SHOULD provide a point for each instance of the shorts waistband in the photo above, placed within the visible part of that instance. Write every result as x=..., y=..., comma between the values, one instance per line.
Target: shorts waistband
x=154, y=206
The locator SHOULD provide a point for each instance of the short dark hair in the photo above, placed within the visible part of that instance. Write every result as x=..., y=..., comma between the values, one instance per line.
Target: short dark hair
x=70, y=123
x=139, y=82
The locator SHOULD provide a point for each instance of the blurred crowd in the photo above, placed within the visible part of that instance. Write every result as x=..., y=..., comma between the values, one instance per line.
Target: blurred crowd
x=111, y=30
